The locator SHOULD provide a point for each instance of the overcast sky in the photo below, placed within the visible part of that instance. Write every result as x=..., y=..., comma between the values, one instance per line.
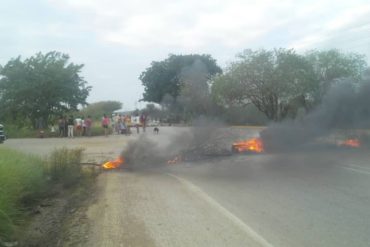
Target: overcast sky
x=117, y=40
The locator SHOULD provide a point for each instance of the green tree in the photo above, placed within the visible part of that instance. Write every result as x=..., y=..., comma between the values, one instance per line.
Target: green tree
x=280, y=82
x=41, y=86
x=97, y=109
x=333, y=64
x=166, y=77
x=270, y=80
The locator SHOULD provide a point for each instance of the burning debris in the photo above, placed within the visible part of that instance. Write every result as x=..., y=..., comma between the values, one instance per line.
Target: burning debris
x=353, y=143
x=345, y=107
x=113, y=164
x=143, y=153
x=254, y=145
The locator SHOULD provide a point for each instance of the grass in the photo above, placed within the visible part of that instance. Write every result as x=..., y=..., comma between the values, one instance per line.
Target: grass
x=22, y=180
x=26, y=179
x=63, y=165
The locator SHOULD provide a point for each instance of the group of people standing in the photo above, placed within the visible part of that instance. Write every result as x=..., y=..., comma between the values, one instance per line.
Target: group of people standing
x=68, y=126
x=80, y=126
x=122, y=123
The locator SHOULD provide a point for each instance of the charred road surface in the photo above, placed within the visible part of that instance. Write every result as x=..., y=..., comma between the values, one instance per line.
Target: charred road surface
x=316, y=198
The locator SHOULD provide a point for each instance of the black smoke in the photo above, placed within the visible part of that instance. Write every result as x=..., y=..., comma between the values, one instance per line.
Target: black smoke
x=345, y=108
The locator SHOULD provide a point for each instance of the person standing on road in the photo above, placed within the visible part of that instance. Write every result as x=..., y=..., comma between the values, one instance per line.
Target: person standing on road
x=105, y=124
x=78, y=122
x=70, y=126
x=122, y=127
x=83, y=126
x=65, y=126
x=128, y=124
x=88, y=123
x=116, y=119
x=61, y=124
x=143, y=120
x=52, y=130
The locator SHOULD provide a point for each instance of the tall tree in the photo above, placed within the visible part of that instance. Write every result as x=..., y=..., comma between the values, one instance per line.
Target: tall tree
x=166, y=77
x=268, y=79
x=41, y=86
x=332, y=65
x=280, y=81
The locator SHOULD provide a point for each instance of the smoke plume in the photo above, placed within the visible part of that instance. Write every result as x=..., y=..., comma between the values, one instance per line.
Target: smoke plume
x=345, y=107
x=206, y=138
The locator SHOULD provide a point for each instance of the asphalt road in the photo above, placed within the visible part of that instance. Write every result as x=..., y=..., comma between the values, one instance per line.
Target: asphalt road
x=316, y=198
x=295, y=199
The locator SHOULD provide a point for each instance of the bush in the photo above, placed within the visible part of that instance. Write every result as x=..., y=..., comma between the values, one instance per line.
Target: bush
x=64, y=166
x=12, y=131
x=21, y=181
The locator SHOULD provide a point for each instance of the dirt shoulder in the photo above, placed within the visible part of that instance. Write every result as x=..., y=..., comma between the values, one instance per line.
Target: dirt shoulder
x=154, y=209
x=56, y=219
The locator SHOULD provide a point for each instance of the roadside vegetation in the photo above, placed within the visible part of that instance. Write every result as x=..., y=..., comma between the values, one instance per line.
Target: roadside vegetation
x=22, y=181
x=26, y=180
x=63, y=166
x=257, y=88
x=14, y=131
x=280, y=84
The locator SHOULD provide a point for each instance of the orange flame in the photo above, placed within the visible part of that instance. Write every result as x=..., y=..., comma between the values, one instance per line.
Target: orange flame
x=354, y=143
x=113, y=164
x=254, y=145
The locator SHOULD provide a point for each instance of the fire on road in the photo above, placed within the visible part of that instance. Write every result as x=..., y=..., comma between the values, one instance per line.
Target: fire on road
x=315, y=198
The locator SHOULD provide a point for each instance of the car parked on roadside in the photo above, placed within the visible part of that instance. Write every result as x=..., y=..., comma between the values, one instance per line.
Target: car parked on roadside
x=2, y=135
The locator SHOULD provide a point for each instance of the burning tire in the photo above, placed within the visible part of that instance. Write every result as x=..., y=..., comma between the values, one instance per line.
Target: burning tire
x=253, y=145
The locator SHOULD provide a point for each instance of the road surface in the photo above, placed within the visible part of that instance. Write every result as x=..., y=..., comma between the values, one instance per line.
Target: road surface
x=319, y=198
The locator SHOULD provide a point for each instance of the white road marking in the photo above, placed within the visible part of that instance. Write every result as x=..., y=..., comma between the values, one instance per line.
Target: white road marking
x=360, y=167
x=356, y=170
x=242, y=225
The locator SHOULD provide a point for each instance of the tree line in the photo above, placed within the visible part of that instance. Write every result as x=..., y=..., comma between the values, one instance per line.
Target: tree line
x=279, y=83
x=258, y=85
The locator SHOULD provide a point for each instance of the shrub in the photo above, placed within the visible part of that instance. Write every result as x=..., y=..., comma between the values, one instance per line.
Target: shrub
x=63, y=166
x=13, y=131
